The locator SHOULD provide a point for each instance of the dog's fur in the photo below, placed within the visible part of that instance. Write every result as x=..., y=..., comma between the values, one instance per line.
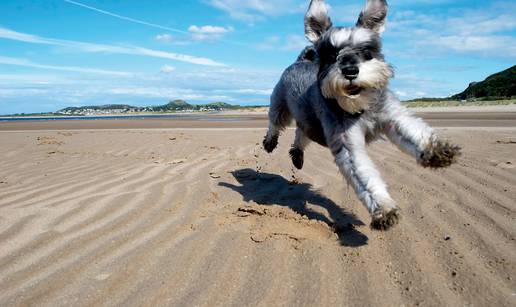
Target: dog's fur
x=337, y=93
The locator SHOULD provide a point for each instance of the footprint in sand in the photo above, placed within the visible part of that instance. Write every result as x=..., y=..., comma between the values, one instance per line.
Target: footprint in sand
x=48, y=140
x=273, y=222
x=506, y=142
x=506, y=165
x=178, y=161
x=102, y=277
x=214, y=175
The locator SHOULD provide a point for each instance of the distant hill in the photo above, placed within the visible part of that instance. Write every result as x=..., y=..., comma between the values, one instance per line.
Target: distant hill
x=171, y=107
x=181, y=105
x=497, y=89
x=497, y=86
x=176, y=105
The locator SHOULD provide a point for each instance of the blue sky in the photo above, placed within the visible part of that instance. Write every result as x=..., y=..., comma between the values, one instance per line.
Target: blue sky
x=58, y=53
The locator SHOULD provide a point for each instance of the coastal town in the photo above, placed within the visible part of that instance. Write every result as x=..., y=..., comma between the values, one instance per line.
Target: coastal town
x=176, y=106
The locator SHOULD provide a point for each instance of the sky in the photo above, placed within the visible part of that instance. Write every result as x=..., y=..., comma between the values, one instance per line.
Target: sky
x=60, y=53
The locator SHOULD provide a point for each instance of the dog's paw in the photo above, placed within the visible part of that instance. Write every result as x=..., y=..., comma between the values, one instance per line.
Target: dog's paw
x=297, y=156
x=386, y=220
x=441, y=154
x=270, y=143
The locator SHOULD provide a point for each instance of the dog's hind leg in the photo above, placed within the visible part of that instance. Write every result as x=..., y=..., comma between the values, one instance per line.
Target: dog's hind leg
x=413, y=136
x=349, y=149
x=271, y=138
x=279, y=118
x=298, y=148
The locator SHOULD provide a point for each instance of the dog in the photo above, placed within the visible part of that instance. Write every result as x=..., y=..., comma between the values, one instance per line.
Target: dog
x=337, y=93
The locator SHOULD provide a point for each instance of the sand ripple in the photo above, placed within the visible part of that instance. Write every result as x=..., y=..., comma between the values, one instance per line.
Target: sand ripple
x=206, y=218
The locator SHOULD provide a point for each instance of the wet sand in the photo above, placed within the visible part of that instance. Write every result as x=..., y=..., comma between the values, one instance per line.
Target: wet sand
x=500, y=118
x=189, y=217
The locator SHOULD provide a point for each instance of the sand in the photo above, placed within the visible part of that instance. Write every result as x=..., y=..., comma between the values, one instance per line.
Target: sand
x=204, y=217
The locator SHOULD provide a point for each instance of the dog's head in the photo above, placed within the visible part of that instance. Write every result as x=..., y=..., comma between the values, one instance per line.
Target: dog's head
x=351, y=65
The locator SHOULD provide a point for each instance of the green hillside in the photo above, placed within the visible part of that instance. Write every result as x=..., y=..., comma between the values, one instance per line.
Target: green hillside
x=497, y=86
x=176, y=105
x=181, y=105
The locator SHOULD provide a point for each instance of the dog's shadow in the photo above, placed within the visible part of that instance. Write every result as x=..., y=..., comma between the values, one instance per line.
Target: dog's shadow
x=270, y=189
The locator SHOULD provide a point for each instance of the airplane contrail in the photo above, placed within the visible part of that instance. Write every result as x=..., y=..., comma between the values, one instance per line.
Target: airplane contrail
x=149, y=24
x=126, y=18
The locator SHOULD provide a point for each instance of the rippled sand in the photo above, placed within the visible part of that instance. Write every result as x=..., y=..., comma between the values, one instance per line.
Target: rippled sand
x=205, y=217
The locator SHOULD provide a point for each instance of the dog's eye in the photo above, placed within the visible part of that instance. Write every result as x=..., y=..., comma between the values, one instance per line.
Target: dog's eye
x=329, y=58
x=368, y=56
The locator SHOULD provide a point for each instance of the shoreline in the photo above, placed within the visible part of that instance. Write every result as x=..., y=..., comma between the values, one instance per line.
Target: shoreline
x=452, y=117
x=260, y=111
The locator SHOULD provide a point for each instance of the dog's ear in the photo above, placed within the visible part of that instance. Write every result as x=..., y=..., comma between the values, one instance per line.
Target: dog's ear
x=373, y=15
x=317, y=20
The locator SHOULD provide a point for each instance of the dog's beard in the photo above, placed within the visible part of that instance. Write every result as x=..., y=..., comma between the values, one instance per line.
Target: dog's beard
x=356, y=96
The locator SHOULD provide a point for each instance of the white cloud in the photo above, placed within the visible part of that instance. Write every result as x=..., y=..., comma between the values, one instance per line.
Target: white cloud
x=205, y=33
x=194, y=84
x=496, y=44
x=412, y=85
x=208, y=32
x=483, y=31
x=254, y=10
x=481, y=23
x=412, y=2
x=26, y=63
x=208, y=29
x=295, y=43
x=31, y=78
x=167, y=69
x=100, y=48
x=83, y=95
x=260, y=92
x=164, y=38
x=401, y=94
x=289, y=43
x=163, y=92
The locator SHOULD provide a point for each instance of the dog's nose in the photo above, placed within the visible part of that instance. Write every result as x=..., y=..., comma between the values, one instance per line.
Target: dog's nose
x=350, y=72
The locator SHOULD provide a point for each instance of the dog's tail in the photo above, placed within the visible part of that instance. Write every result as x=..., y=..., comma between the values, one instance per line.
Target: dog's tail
x=279, y=113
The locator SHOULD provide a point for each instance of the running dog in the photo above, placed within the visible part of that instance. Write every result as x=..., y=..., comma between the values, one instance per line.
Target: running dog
x=337, y=93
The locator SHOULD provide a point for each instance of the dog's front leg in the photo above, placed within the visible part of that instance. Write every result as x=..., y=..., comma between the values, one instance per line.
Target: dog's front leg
x=349, y=149
x=413, y=136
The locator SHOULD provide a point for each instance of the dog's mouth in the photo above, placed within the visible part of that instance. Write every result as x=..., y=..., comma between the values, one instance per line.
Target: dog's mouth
x=353, y=90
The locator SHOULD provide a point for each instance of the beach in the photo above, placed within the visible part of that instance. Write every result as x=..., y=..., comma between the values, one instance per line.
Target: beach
x=195, y=213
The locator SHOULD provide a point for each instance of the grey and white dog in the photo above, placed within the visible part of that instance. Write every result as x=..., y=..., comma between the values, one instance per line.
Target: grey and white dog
x=337, y=92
